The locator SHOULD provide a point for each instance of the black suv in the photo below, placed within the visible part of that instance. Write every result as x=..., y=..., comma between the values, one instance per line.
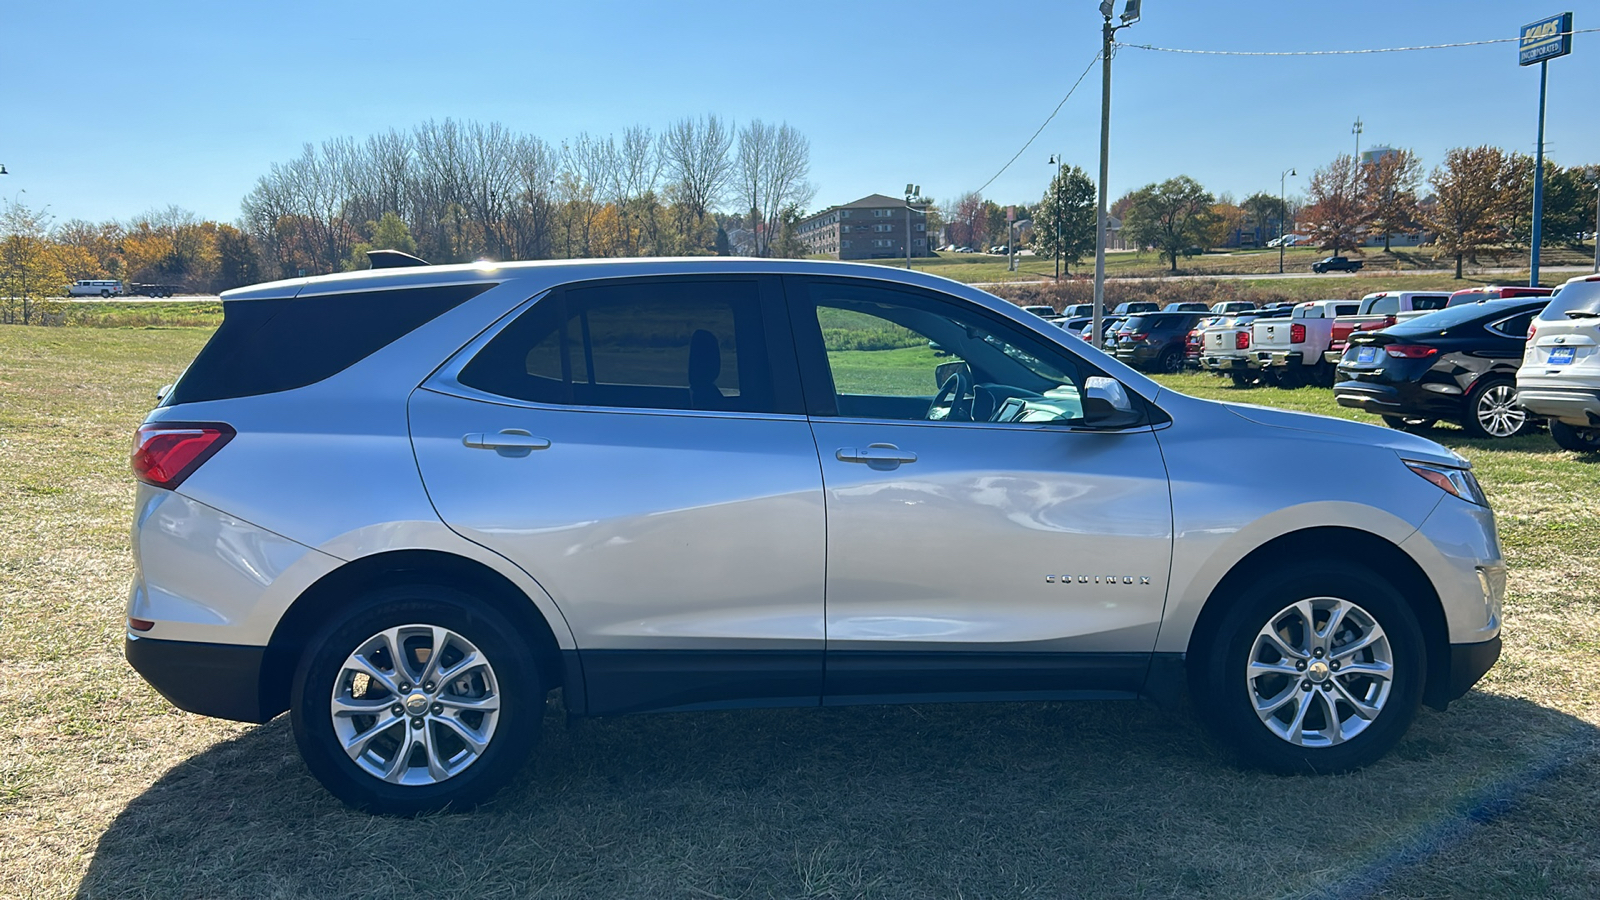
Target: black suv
x=1156, y=341
x=1458, y=363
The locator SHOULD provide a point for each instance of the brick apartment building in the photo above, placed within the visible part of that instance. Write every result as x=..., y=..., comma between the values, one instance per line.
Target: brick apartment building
x=873, y=227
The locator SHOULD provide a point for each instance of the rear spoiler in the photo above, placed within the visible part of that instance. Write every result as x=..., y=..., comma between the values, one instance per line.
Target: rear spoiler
x=393, y=259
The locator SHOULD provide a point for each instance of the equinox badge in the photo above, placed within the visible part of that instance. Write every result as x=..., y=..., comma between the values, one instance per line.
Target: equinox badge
x=1096, y=579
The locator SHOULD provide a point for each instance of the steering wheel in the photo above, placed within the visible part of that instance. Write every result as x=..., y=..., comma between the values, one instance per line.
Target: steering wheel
x=955, y=389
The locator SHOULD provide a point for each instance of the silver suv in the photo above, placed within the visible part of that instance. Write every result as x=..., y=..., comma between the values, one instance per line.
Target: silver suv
x=1560, y=374
x=406, y=505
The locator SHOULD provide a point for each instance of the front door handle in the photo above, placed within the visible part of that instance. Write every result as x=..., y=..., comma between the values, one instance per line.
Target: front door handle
x=512, y=442
x=882, y=457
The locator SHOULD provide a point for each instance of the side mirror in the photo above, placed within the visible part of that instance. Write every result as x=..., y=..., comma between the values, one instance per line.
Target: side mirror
x=1106, y=404
x=943, y=371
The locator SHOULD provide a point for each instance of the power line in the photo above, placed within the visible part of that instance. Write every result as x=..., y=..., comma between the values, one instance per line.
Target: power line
x=1334, y=52
x=1046, y=122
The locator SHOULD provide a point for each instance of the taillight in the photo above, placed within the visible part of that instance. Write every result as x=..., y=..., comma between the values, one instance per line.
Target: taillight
x=1241, y=340
x=165, y=453
x=1138, y=335
x=1533, y=329
x=1297, y=333
x=1410, y=351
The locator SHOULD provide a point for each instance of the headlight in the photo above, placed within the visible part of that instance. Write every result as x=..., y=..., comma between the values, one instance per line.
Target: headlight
x=1451, y=480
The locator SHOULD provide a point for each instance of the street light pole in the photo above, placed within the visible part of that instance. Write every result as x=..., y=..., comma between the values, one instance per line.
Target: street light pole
x=1283, y=211
x=1055, y=202
x=913, y=192
x=1130, y=14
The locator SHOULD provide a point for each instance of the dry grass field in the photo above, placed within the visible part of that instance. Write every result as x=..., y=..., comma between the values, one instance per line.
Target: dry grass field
x=107, y=791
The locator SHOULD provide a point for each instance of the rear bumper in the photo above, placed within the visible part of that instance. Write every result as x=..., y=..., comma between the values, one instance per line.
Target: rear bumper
x=1224, y=363
x=1277, y=359
x=1391, y=399
x=218, y=680
x=1332, y=357
x=1579, y=407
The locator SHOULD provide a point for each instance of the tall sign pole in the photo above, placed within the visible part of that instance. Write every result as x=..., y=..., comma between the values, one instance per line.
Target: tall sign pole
x=1130, y=15
x=1539, y=42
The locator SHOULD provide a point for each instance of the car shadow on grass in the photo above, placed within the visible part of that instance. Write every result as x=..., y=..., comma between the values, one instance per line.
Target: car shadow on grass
x=1048, y=799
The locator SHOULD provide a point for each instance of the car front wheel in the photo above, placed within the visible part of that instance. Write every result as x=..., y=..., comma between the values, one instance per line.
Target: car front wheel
x=1313, y=671
x=418, y=699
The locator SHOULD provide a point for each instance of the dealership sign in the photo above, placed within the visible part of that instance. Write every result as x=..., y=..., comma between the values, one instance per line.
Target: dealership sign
x=1545, y=39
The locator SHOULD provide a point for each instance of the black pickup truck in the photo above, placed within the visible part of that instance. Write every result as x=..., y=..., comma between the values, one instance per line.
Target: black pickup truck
x=1336, y=264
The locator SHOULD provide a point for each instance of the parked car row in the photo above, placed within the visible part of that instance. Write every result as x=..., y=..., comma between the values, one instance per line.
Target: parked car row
x=1499, y=361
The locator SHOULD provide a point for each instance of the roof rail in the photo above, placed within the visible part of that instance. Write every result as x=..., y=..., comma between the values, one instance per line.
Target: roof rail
x=393, y=259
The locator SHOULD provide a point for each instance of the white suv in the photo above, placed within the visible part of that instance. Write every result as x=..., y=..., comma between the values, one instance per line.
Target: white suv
x=405, y=505
x=1560, y=374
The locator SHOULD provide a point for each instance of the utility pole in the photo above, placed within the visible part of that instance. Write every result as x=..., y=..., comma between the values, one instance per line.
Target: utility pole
x=1283, y=211
x=1597, y=229
x=1130, y=15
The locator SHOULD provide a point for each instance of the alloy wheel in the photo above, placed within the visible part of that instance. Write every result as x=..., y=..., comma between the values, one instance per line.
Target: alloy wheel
x=1320, y=672
x=415, y=704
x=1497, y=411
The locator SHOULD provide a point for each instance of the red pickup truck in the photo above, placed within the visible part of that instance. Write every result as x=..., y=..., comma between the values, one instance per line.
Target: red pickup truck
x=1379, y=309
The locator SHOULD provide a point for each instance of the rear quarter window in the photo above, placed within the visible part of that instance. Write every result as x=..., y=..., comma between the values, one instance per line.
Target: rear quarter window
x=267, y=346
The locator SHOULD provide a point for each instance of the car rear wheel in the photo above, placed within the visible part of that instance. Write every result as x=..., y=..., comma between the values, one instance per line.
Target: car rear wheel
x=1315, y=670
x=1583, y=440
x=1492, y=411
x=418, y=699
x=1413, y=424
x=1240, y=379
x=1171, y=362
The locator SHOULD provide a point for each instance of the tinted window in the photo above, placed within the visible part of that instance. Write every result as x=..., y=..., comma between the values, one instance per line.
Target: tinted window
x=1159, y=323
x=1384, y=306
x=647, y=345
x=1516, y=326
x=1439, y=302
x=266, y=346
x=1565, y=299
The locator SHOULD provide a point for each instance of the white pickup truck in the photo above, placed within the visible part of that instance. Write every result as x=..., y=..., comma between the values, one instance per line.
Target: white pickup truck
x=1290, y=351
x=1225, y=346
x=1379, y=310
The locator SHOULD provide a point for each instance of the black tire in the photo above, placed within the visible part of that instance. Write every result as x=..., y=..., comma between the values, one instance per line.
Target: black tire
x=1171, y=362
x=1492, y=394
x=517, y=686
x=1568, y=437
x=105, y=294
x=1413, y=424
x=1240, y=379
x=1226, y=698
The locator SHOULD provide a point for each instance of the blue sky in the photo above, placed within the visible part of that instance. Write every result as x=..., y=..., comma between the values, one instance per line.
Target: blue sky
x=108, y=109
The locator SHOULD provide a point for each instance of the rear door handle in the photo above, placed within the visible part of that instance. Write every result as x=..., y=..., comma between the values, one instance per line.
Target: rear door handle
x=876, y=456
x=509, y=442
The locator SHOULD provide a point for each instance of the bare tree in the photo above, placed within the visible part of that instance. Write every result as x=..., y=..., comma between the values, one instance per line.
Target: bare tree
x=696, y=157
x=773, y=164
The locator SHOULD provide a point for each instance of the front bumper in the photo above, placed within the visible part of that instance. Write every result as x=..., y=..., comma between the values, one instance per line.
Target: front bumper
x=1468, y=664
x=218, y=680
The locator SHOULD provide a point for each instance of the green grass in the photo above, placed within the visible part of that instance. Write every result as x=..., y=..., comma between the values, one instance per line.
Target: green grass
x=106, y=791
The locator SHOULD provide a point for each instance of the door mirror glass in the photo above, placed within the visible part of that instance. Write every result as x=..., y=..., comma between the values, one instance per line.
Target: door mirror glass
x=943, y=371
x=1106, y=403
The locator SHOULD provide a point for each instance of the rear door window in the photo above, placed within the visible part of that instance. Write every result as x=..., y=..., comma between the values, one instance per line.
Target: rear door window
x=649, y=344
